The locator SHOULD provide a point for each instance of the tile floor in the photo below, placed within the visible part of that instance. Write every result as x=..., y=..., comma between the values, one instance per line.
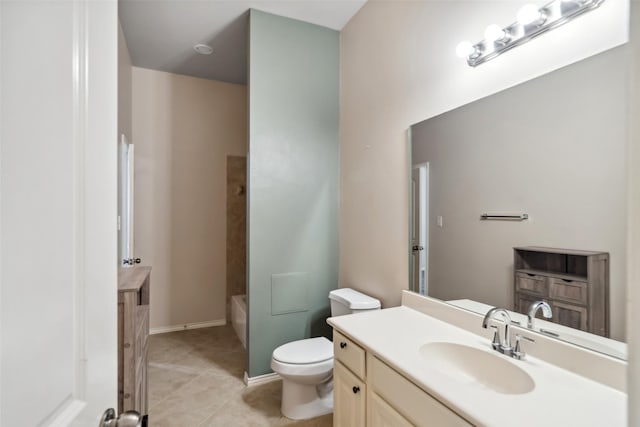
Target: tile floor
x=195, y=380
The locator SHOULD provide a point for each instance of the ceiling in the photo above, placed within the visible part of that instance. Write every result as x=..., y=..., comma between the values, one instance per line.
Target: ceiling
x=161, y=34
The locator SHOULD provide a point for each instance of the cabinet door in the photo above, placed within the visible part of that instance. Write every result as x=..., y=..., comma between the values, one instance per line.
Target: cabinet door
x=570, y=315
x=524, y=301
x=349, y=398
x=383, y=415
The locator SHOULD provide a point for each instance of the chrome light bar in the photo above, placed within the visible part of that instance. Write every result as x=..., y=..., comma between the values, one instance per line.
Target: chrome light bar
x=531, y=23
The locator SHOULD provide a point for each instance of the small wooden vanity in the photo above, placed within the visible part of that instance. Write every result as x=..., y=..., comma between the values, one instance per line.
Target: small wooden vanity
x=575, y=283
x=133, y=332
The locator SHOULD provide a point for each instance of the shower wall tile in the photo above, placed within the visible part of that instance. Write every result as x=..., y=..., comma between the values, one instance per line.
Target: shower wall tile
x=236, y=228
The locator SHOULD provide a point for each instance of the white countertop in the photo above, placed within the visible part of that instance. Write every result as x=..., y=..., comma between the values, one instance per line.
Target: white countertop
x=559, y=398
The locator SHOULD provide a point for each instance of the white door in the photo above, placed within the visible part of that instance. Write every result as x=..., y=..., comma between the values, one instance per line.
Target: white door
x=415, y=230
x=419, y=227
x=58, y=211
x=125, y=190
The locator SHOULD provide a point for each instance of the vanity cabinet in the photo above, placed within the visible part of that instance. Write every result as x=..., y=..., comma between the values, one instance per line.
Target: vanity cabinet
x=349, y=388
x=133, y=332
x=368, y=392
x=575, y=283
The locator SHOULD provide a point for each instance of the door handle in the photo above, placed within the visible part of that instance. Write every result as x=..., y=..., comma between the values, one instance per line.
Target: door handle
x=126, y=419
x=417, y=248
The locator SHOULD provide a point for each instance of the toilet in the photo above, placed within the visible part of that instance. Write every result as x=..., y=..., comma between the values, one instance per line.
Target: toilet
x=306, y=366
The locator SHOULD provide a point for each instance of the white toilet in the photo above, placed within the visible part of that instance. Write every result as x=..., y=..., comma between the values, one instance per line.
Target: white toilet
x=306, y=366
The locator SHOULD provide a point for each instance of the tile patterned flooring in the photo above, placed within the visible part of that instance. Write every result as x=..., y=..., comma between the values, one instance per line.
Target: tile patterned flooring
x=195, y=380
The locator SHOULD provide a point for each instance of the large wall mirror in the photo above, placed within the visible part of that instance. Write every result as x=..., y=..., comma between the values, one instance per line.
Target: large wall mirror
x=552, y=150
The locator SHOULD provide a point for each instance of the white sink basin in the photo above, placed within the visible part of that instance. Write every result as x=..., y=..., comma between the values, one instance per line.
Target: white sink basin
x=470, y=365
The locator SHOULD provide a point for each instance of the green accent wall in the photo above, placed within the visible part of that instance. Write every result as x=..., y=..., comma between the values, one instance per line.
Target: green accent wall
x=293, y=172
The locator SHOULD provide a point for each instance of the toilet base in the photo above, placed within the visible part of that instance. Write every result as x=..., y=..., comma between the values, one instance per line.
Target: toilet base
x=304, y=401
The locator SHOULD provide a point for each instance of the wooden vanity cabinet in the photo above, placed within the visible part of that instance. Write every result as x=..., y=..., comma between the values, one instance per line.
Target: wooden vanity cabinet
x=133, y=333
x=349, y=387
x=575, y=283
x=368, y=392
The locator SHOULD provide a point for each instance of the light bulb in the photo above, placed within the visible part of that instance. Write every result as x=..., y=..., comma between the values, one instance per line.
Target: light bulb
x=528, y=14
x=464, y=49
x=493, y=33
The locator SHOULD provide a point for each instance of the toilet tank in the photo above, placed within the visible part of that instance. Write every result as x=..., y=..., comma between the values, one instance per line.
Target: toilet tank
x=349, y=301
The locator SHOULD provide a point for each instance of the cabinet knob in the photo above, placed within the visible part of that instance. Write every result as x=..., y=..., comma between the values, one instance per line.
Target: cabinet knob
x=343, y=344
x=355, y=389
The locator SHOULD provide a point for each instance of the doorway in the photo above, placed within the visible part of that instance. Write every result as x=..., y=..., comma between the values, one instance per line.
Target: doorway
x=420, y=228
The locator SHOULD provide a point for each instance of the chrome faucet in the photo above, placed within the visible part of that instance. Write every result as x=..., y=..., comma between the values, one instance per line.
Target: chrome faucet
x=546, y=312
x=503, y=347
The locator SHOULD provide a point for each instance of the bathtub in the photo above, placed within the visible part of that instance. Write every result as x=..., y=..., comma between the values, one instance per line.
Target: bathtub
x=239, y=317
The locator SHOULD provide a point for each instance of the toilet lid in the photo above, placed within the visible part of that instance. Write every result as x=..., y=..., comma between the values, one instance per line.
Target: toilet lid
x=311, y=350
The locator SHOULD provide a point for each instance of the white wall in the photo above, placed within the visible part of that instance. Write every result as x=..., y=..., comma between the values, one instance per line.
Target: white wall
x=398, y=67
x=183, y=129
x=548, y=148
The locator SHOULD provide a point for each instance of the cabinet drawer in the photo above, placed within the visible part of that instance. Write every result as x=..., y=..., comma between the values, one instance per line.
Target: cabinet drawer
x=532, y=283
x=568, y=290
x=408, y=399
x=349, y=353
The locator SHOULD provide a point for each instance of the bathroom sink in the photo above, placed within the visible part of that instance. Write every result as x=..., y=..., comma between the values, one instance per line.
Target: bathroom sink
x=470, y=365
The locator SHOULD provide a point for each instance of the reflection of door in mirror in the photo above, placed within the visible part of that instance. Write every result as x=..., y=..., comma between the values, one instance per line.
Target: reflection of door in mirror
x=419, y=227
x=125, y=191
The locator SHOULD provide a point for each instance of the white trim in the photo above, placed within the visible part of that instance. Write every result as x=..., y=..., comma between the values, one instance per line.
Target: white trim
x=80, y=52
x=184, y=327
x=260, y=379
x=68, y=414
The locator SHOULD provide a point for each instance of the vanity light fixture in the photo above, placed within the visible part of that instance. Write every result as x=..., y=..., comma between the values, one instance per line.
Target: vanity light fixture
x=531, y=22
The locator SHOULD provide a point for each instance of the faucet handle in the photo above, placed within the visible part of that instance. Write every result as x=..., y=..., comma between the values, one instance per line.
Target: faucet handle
x=495, y=343
x=516, y=351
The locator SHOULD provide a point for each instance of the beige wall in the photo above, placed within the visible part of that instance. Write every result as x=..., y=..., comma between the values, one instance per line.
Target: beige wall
x=183, y=130
x=124, y=85
x=398, y=67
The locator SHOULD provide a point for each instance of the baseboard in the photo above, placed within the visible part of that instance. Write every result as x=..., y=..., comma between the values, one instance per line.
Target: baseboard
x=260, y=379
x=196, y=325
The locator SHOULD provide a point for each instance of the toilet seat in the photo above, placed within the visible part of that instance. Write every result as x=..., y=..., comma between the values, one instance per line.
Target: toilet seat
x=305, y=352
x=302, y=370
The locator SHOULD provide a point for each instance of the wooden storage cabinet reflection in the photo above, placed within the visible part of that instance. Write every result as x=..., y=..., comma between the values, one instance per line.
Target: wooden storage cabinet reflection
x=575, y=283
x=133, y=333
